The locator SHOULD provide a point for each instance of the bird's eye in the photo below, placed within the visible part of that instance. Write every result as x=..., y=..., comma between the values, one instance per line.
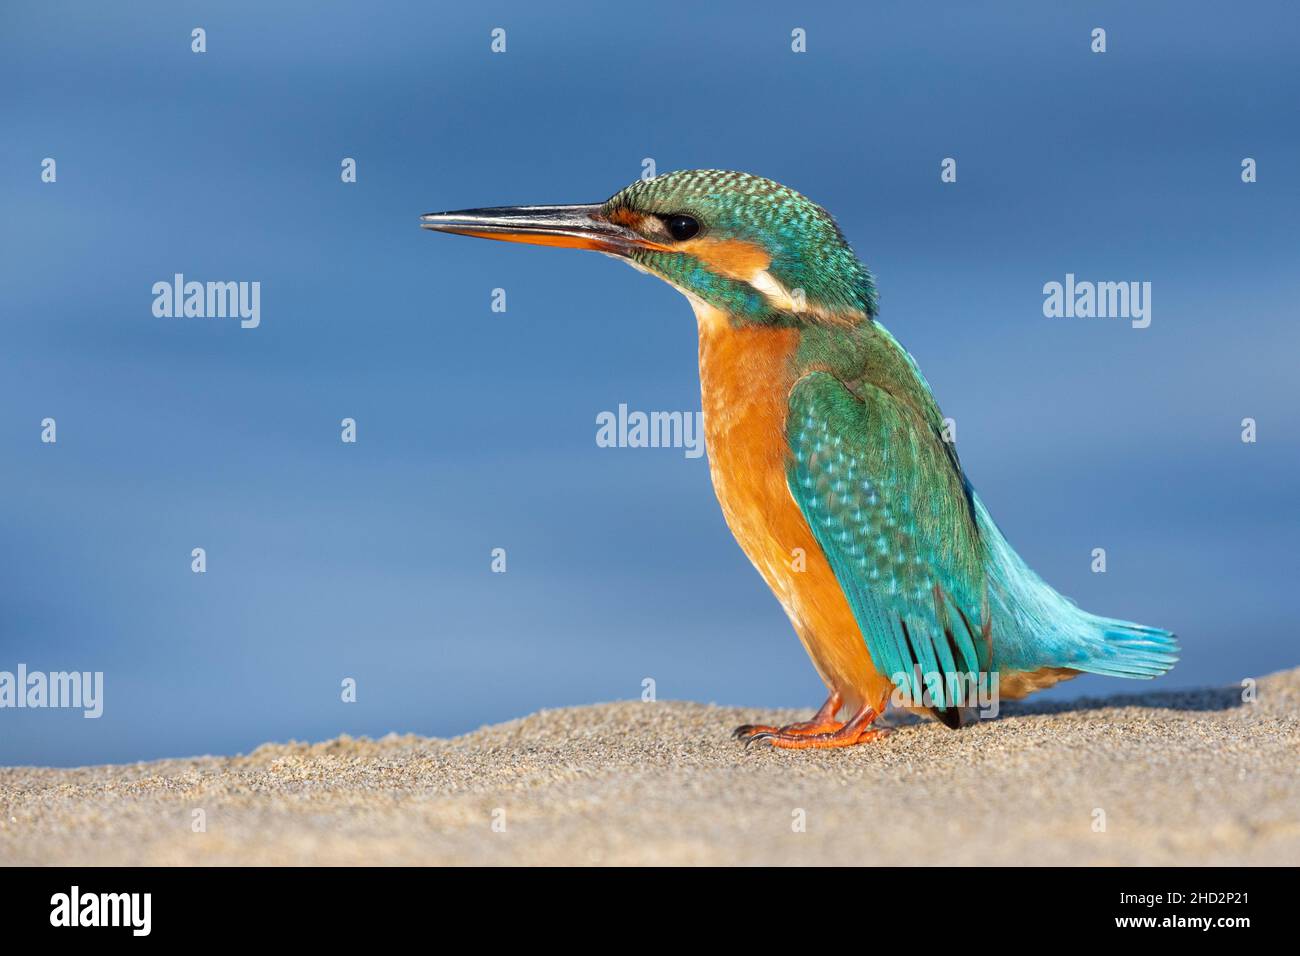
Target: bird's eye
x=682, y=227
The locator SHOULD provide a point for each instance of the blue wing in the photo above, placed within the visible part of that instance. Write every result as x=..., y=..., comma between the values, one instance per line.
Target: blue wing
x=886, y=500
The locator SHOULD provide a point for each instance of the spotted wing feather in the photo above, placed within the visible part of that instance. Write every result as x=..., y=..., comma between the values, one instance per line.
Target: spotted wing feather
x=886, y=500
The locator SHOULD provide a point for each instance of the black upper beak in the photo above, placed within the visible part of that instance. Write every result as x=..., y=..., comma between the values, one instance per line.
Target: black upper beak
x=574, y=227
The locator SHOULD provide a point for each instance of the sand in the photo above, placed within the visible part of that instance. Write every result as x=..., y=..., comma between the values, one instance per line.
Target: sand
x=1182, y=778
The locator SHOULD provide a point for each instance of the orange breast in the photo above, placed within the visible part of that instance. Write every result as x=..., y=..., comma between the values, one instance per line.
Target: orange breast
x=745, y=380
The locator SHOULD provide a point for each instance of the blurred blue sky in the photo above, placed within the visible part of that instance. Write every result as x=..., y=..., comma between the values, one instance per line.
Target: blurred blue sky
x=477, y=429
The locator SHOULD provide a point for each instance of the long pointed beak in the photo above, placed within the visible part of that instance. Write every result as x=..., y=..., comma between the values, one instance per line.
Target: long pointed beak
x=573, y=227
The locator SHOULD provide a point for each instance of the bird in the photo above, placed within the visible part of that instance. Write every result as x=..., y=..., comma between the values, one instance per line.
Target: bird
x=832, y=463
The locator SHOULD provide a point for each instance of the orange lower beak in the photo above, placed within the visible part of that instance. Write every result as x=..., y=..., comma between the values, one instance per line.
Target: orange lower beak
x=571, y=227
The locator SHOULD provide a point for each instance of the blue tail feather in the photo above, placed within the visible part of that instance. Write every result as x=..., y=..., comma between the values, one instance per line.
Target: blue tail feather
x=1129, y=650
x=1034, y=627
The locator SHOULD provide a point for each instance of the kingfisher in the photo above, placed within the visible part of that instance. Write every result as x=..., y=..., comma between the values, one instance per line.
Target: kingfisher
x=832, y=463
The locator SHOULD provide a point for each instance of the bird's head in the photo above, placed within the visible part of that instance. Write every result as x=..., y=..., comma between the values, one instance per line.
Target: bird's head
x=751, y=248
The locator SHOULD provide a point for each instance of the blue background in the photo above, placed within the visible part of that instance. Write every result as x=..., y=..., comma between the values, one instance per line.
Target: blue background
x=477, y=429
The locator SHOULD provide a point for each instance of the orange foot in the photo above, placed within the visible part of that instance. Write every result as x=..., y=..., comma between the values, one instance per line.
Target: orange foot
x=857, y=730
x=823, y=722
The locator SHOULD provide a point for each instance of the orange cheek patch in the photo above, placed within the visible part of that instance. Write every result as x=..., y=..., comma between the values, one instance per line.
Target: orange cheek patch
x=733, y=258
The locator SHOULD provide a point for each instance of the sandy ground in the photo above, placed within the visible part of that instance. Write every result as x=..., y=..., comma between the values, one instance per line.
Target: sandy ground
x=1183, y=778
